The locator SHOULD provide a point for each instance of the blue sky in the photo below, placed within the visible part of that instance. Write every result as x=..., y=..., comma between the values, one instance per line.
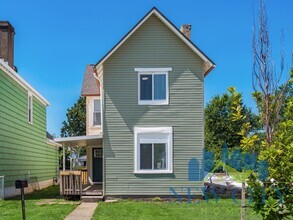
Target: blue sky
x=55, y=40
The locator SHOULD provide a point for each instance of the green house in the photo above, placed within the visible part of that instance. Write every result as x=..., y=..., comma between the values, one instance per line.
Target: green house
x=27, y=152
x=145, y=113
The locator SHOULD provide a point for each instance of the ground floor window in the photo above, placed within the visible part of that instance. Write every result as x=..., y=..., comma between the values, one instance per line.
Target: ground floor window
x=153, y=150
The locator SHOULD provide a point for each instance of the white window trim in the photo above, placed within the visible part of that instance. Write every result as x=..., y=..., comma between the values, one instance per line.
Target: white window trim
x=156, y=131
x=92, y=107
x=153, y=71
x=30, y=106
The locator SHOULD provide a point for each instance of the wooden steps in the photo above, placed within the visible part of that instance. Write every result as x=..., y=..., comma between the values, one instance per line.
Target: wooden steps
x=91, y=198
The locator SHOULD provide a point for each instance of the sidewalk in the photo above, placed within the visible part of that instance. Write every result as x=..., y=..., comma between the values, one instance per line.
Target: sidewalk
x=84, y=211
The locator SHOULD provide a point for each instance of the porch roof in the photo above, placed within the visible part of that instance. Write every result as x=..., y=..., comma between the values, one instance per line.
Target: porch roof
x=80, y=141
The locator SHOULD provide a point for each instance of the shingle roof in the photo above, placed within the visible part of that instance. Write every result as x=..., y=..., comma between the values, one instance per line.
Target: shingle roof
x=49, y=136
x=90, y=83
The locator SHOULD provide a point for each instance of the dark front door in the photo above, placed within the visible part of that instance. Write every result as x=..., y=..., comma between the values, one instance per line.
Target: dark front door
x=97, y=165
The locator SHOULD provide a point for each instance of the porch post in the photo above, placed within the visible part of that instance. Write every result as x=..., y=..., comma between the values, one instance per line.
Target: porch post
x=63, y=156
x=70, y=158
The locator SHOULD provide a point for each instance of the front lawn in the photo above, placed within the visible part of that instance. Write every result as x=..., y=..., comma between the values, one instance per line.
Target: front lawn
x=236, y=175
x=42, y=204
x=226, y=209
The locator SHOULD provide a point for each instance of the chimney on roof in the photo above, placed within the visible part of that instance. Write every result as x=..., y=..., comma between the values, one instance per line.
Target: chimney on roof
x=186, y=30
x=7, y=42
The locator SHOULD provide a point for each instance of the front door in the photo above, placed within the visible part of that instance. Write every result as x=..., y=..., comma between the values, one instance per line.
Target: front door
x=97, y=164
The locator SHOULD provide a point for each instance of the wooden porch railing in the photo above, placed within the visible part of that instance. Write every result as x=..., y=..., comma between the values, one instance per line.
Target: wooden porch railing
x=70, y=182
x=84, y=177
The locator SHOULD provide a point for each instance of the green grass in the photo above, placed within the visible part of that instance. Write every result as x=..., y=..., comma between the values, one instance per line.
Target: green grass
x=226, y=209
x=11, y=208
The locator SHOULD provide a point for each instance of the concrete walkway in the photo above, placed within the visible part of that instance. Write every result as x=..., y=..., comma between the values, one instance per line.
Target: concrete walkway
x=84, y=211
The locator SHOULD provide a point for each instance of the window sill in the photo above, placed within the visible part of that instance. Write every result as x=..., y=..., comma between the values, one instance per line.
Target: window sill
x=153, y=172
x=163, y=102
x=95, y=126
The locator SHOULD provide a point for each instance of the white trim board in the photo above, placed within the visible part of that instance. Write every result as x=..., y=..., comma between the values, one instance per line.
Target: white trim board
x=17, y=78
x=175, y=30
x=150, y=70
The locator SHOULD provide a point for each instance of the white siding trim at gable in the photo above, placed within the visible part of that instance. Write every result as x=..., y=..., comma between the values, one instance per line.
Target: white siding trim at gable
x=177, y=32
x=17, y=78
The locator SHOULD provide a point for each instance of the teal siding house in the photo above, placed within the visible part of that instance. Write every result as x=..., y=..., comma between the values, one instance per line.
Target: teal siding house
x=25, y=150
x=145, y=112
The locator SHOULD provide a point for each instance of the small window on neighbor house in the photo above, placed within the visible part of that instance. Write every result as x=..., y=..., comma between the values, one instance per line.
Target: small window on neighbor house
x=153, y=86
x=97, y=112
x=30, y=108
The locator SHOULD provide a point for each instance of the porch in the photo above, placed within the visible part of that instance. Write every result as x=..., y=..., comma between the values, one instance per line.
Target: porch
x=87, y=182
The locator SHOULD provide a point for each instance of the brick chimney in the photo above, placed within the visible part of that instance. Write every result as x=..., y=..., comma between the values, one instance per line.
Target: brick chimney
x=7, y=42
x=186, y=30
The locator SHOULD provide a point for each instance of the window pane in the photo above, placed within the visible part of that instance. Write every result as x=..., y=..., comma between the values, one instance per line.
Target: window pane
x=145, y=156
x=97, y=106
x=160, y=86
x=160, y=156
x=97, y=118
x=145, y=87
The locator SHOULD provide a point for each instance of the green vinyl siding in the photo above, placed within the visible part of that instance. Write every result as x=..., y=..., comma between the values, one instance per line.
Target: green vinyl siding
x=153, y=45
x=24, y=152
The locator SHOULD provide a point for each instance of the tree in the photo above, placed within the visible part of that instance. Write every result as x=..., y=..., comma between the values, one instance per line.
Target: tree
x=74, y=125
x=278, y=191
x=266, y=79
x=219, y=125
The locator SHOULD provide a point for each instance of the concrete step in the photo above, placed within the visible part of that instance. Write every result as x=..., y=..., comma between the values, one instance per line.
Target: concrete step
x=92, y=198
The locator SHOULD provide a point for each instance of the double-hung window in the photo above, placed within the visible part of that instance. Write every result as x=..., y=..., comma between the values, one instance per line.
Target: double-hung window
x=30, y=108
x=153, y=86
x=96, y=112
x=153, y=150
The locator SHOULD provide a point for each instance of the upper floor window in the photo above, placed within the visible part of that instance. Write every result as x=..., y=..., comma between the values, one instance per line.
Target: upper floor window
x=30, y=108
x=96, y=112
x=153, y=86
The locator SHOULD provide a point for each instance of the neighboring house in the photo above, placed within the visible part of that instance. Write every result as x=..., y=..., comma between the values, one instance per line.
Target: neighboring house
x=145, y=112
x=82, y=161
x=26, y=150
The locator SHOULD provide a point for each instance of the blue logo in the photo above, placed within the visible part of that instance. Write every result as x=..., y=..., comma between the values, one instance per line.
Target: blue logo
x=198, y=170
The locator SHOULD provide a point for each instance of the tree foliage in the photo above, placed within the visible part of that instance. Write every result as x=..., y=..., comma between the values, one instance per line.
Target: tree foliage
x=219, y=125
x=278, y=192
x=247, y=140
x=74, y=125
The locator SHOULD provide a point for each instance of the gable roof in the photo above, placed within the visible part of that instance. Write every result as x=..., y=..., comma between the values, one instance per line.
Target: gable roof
x=89, y=84
x=17, y=78
x=173, y=28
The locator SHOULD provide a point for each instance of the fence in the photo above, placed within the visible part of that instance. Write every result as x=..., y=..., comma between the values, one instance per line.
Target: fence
x=1, y=187
x=70, y=183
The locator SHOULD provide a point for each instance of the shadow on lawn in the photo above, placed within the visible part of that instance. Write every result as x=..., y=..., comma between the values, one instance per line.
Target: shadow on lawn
x=51, y=192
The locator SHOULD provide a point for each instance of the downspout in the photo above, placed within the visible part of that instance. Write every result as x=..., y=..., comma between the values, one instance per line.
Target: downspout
x=101, y=98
